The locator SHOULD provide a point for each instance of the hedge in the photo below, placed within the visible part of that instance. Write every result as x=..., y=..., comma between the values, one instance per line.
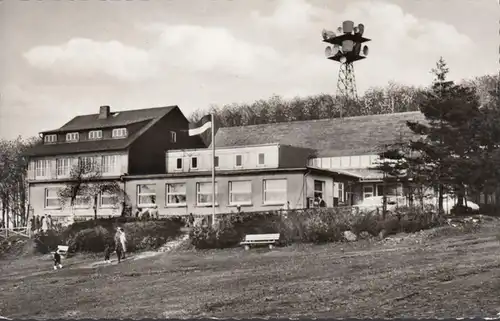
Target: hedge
x=308, y=226
x=93, y=235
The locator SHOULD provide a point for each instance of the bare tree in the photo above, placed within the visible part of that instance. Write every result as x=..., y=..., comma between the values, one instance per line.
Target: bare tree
x=87, y=183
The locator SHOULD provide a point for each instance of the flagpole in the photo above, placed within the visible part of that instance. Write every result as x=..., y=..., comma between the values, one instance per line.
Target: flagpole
x=213, y=168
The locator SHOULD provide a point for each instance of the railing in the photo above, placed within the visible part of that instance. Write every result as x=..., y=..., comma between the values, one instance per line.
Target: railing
x=15, y=231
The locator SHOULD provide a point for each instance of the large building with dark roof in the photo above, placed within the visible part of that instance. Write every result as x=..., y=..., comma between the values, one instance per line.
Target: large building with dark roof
x=258, y=167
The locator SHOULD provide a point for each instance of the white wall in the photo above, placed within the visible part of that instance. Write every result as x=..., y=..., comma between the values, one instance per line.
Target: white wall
x=227, y=158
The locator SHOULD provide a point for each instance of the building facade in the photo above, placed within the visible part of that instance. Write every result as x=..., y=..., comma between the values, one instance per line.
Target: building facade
x=117, y=143
x=248, y=178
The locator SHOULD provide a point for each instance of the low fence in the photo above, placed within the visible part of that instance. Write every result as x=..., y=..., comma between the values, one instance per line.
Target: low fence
x=15, y=231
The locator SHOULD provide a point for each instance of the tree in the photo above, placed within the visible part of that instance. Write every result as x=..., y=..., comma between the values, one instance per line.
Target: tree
x=86, y=183
x=13, y=180
x=446, y=147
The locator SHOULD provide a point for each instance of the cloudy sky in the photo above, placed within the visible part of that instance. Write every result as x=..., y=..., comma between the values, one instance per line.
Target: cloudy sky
x=62, y=58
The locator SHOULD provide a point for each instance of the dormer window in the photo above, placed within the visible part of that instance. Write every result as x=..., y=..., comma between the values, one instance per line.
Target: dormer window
x=50, y=139
x=119, y=132
x=72, y=137
x=95, y=134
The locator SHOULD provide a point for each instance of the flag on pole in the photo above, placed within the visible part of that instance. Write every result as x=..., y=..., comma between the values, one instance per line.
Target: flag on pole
x=201, y=126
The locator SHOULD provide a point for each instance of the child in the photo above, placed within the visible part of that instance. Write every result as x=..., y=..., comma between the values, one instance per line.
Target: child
x=107, y=253
x=57, y=260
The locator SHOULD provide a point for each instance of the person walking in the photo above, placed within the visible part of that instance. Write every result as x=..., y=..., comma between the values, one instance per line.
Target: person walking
x=44, y=224
x=123, y=241
x=50, y=223
x=118, y=245
x=37, y=223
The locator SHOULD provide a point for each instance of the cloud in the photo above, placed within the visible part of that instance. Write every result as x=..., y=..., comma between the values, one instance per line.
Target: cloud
x=187, y=47
x=86, y=57
x=285, y=50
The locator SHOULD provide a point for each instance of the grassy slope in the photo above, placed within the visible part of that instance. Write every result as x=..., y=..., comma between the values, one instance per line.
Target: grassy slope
x=443, y=277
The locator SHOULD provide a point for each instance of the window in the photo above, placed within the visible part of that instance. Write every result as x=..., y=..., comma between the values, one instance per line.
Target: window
x=374, y=159
x=89, y=163
x=319, y=188
x=51, y=198
x=176, y=194
x=275, y=191
x=109, y=164
x=146, y=194
x=119, y=132
x=173, y=137
x=204, y=193
x=95, y=134
x=355, y=161
x=50, y=138
x=72, y=137
x=261, y=159
x=109, y=200
x=367, y=191
x=316, y=162
x=345, y=161
x=216, y=161
x=42, y=168
x=63, y=166
x=240, y=193
x=341, y=192
x=178, y=163
x=336, y=162
x=238, y=160
x=326, y=162
x=194, y=162
x=82, y=201
x=365, y=161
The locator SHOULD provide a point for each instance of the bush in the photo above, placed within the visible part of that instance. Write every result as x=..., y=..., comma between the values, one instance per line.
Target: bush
x=308, y=226
x=47, y=241
x=93, y=235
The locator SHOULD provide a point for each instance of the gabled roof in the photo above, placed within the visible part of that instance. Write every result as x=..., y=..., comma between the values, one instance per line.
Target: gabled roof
x=115, y=119
x=144, y=118
x=330, y=137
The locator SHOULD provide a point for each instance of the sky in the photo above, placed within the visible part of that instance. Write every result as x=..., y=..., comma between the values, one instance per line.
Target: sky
x=62, y=58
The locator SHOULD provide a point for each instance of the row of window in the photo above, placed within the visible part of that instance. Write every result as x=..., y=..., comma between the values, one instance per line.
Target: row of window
x=238, y=161
x=105, y=164
x=240, y=193
x=359, y=161
x=52, y=200
x=92, y=135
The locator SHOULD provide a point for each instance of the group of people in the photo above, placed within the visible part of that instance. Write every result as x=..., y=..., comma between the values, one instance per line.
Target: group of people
x=119, y=246
x=43, y=223
x=145, y=213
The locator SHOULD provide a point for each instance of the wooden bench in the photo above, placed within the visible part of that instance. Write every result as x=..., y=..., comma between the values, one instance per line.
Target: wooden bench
x=62, y=250
x=259, y=239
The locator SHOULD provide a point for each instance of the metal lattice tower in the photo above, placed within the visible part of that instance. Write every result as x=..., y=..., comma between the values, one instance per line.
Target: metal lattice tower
x=346, y=83
x=347, y=48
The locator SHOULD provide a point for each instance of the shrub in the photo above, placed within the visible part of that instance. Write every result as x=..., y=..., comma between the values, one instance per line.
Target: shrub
x=308, y=226
x=47, y=241
x=93, y=235
x=90, y=240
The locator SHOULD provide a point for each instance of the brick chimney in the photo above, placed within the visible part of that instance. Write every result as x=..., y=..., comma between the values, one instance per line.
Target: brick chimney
x=104, y=112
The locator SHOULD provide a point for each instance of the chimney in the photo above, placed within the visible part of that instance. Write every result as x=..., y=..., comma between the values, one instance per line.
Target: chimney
x=104, y=112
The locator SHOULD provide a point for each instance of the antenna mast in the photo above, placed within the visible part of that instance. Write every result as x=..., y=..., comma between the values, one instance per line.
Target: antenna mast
x=347, y=48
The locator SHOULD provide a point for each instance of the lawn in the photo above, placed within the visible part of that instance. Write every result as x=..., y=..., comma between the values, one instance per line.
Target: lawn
x=445, y=276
